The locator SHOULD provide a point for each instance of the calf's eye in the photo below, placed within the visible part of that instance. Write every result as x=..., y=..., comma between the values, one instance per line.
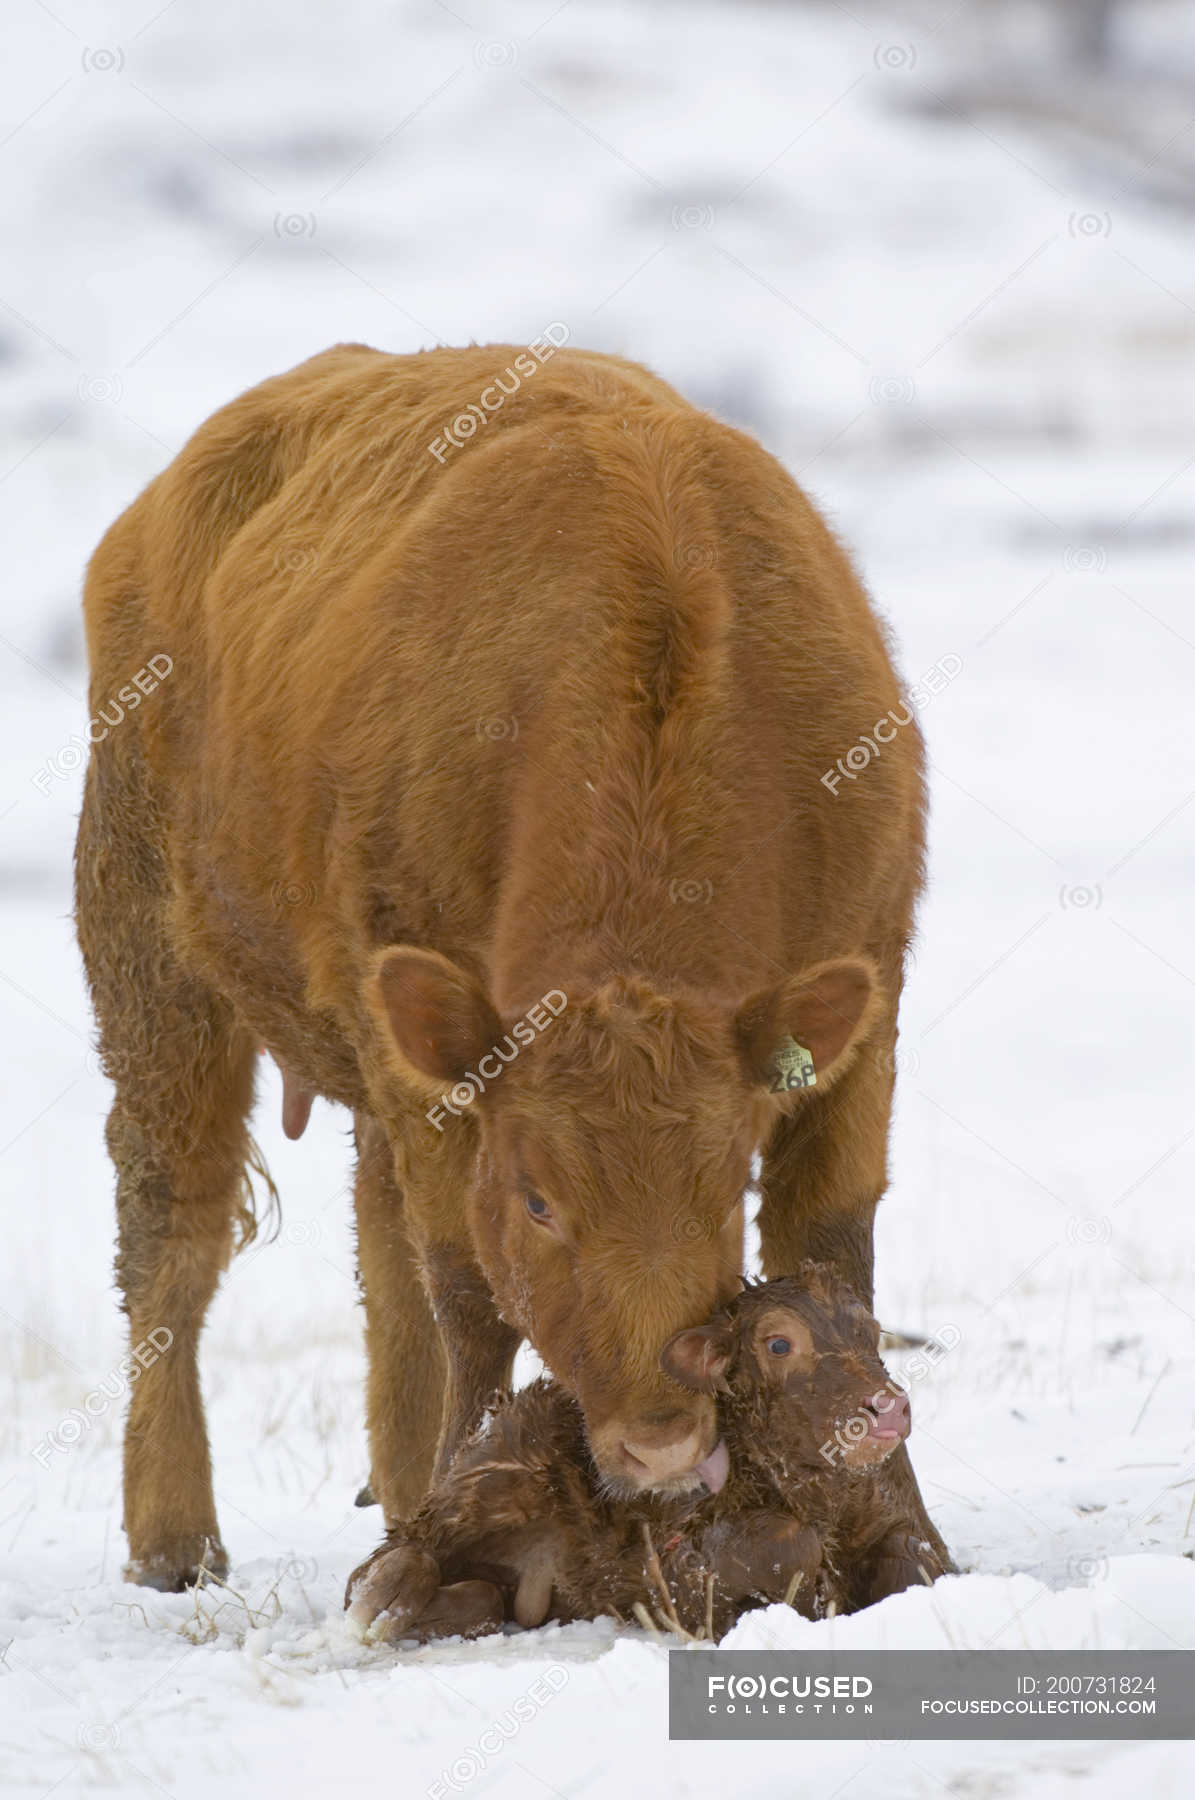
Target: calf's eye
x=539, y=1209
x=779, y=1346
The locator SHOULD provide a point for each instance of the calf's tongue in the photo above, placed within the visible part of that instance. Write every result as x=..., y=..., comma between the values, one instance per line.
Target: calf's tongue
x=715, y=1467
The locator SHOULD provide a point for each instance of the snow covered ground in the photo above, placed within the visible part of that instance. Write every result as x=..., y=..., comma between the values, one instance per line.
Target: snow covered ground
x=973, y=343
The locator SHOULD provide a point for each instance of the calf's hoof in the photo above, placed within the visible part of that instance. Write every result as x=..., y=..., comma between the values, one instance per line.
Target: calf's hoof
x=399, y=1582
x=903, y=1560
x=769, y=1556
x=467, y=1609
x=189, y=1562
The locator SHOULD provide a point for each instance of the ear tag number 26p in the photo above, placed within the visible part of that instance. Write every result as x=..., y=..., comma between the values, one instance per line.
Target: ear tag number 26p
x=792, y=1067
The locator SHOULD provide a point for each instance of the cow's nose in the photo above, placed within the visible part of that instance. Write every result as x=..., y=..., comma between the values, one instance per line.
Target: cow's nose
x=652, y=1463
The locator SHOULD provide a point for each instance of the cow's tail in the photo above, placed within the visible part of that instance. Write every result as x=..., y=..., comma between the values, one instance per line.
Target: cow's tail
x=249, y=1217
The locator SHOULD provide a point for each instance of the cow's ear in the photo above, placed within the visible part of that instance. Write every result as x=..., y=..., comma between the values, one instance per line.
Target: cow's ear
x=803, y=1032
x=437, y=1020
x=697, y=1358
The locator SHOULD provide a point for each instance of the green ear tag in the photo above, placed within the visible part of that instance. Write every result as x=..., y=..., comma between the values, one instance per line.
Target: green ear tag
x=792, y=1067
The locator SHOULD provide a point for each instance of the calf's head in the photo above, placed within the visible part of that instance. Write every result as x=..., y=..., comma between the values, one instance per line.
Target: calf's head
x=798, y=1363
x=614, y=1132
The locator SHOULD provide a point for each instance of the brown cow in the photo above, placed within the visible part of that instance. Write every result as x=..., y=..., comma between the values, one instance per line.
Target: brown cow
x=485, y=790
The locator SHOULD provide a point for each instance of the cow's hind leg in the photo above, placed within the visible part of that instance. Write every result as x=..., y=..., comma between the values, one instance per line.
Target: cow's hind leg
x=177, y=1133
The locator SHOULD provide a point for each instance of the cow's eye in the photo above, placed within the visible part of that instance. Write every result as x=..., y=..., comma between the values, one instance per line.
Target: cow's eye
x=539, y=1209
x=779, y=1346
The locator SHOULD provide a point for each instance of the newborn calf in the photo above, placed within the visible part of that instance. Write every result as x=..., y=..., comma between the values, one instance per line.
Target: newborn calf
x=519, y=1526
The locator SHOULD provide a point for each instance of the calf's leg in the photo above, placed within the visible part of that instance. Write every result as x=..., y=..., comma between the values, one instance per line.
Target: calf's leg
x=900, y=1560
x=398, y=1580
x=758, y=1556
x=468, y=1609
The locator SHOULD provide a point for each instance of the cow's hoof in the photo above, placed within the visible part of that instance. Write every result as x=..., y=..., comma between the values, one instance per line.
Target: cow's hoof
x=189, y=1563
x=399, y=1583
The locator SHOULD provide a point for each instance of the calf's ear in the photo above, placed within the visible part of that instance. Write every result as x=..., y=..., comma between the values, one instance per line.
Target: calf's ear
x=697, y=1358
x=436, y=1019
x=804, y=1031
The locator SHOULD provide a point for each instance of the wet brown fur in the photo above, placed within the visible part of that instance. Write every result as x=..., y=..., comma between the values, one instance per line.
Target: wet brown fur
x=521, y=1526
x=557, y=709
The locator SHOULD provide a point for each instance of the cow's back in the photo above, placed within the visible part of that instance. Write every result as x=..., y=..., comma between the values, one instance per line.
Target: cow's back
x=411, y=677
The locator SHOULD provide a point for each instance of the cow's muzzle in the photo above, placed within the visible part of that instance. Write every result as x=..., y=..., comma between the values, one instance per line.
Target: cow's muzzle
x=639, y=1456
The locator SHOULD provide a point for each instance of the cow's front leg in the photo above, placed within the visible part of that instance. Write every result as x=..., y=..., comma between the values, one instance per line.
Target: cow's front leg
x=824, y=1172
x=407, y=1373
x=479, y=1347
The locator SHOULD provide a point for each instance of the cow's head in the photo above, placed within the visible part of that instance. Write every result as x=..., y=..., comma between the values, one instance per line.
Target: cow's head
x=616, y=1132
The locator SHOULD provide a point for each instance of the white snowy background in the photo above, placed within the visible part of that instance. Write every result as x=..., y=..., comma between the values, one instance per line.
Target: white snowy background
x=940, y=260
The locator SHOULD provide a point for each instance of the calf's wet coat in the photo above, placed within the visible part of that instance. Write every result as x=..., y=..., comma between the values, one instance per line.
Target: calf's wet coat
x=522, y=1528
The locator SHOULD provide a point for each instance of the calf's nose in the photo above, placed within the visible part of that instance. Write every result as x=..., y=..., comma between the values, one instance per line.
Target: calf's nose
x=890, y=1414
